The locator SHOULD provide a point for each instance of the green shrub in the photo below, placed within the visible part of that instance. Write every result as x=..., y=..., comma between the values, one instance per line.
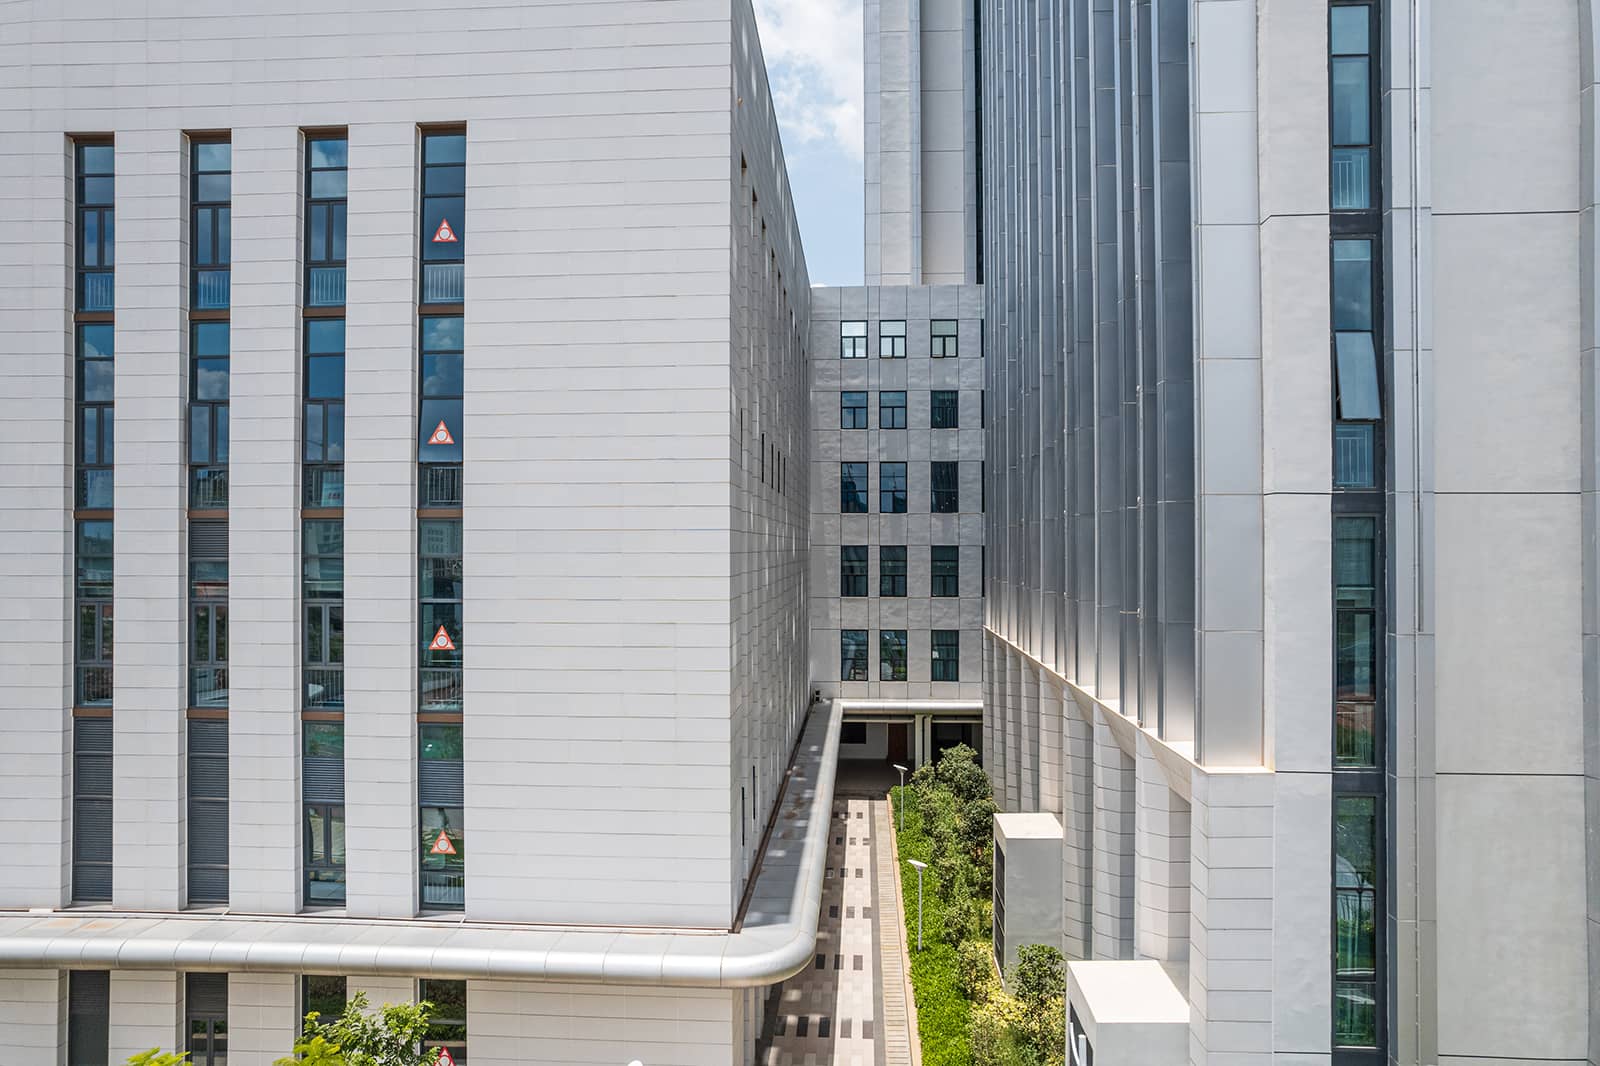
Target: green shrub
x=155, y=1057
x=996, y=1039
x=1038, y=980
x=975, y=963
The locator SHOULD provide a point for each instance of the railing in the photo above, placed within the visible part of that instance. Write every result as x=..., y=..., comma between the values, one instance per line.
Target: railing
x=443, y=283
x=325, y=287
x=97, y=290
x=94, y=685
x=324, y=486
x=444, y=888
x=208, y=686
x=211, y=289
x=1353, y=455
x=208, y=487
x=439, y=689
x=324, y=687
x=96, y=488
x=439, y=485
x=1352, y=181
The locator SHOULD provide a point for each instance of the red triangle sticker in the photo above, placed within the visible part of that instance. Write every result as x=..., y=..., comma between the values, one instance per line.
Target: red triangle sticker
x=442, y=846
x=444, y=234
x=444, y=1058
x=441, y=641
x=441, y=434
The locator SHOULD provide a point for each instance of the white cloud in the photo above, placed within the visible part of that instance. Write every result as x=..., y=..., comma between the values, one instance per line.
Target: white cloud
x=814, y=54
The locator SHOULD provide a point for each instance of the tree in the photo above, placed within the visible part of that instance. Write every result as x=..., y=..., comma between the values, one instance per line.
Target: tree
x=1039, y=982
x=154, y=1057
x=391, y=1037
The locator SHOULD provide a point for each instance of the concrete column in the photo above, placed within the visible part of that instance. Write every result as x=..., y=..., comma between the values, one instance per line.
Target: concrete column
x=1077, y=829
x=36, y=562
x=1230, y=952
x=33, y=1007
x=263, y=525
x=1161, y=841
x=1113, y=846
x=1013, y=738
x=1052, y=710
x=146, y=1012
x=263, y=1017
x=148, y=774
x=1028, y=677
x=381, y=643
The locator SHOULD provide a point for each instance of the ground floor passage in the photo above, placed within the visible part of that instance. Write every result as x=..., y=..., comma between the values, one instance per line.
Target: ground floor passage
x=909, y=741
x=850, y=1006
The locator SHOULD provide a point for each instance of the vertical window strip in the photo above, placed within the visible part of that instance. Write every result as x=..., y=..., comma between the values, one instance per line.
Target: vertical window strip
x=322, y=451
x=91, y=809
x=94, y=188
x=322, y=782
x=88, y=1018
x=322, y=593
x=327, y=190
x=211, y=224
x=96, y=424
x=208, y=811
x=94, y=631
x=443, y=231
x=206, y=1018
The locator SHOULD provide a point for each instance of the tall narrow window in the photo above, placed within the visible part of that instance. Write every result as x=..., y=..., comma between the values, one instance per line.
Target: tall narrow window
x=892, y=339
x=853, y=570
x=206, y=1018
x=88, y=1017
x=209, y=346
x=943, y=339
x=91, y=810
x=96, y=431
x=208, y=613
x=1356, y=672
x=853, y=654
x=448, y=1028
x=96, y=216
x=852, y=488
x=852, y=410
x=211, y=233
x=326, y=202
x=322, y=591
x=944, y=409
x=444, y=202
x=946, y=563
x=892, y=655
x=1357, y=921
x=945, y=479
x=322, y=783
x=324, y=415
x=94, y=636
x=892, y=488
x=891, y=410
x=892, y=570
x=946, y=655
x=439, y=601
x=323, y=995
x=852, y=340
x=1357, y=391
x=1350, y=95
x=441, y=791
x=208, y=811
x=440, y=426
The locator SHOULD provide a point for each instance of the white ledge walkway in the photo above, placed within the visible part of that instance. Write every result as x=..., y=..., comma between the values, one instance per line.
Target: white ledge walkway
x=774, y=941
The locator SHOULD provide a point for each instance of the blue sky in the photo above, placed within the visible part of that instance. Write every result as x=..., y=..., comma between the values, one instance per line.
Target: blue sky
x=814, y=52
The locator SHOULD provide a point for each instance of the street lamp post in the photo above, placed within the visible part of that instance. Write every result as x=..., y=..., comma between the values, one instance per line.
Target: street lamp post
x=921, y=866
x=902, y=803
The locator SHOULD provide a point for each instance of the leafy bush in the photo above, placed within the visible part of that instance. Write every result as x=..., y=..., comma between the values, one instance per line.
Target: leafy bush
x=975, y=963
x=996, y=1038
x=391, y=1037
x=1038, y=980
x=154, y=1057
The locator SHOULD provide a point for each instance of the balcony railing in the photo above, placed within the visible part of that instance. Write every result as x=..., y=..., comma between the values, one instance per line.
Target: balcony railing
x=324, y=687
x=325, y=287
x=97, y=290
x=94, y=685
x=1353, y=445
x=439, y=485
x=443, y=283
x=444, y=888
x=208, y=487
x=208, y=686
x=439, y=689
x=211, y=289
x=1352, y=181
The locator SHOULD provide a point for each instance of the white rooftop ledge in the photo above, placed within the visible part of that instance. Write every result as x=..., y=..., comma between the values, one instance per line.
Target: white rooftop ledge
x=774, y=940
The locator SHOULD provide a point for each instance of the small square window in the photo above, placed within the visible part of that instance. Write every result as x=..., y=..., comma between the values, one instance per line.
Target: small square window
x=892, y=571
x=853, y=570
x=892, y=339
x=943, y=338
x=853, y=654
x=892, y=655
x=891, y=410
x=946, y=655
x=946, y=570
x=891, y=488
x=945, y=409
x=945, y=480
x=852, y=340
x=852, y=410
x=852, y=488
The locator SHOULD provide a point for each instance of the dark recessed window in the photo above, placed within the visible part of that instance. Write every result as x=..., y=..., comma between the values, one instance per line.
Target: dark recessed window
x=853, y=570
x=327, y=159
x=853, y=488
x=892, y=488
x=88, y=1017
x=1350, y=71
x=96, y=226
x=852, y=340
x=892, y=570
x=323, y=453
x=208, y=613
x=440, y=423
x=205, y=1002
x=441, y=790
x=322, y=785
x=944, y=409
x=448, y=1027
x=853, y=733
x=322, y=596
x=444, y=203
x=892, y=339
x=891, y=410
x=209, y=390
x=945, y=480
x=324, y=995
x=852, y=410
x=892, y=655
x=853, y=654
x=946, y=655
x=1357, y=921
x=439, y=565
x=211, y=223
x=943, y=338
x=94, y=563
x=207, y=827
x=946, y=561
x=96, y=429
x=1356, y=637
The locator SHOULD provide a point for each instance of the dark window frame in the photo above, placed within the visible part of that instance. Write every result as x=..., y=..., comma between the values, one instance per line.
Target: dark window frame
x=945, y=655
x=852, y=345
x=210, y=230
x=442, y=273
x=892, y=569
x=322, y=604
x=447, y=666
x=944, y=409
x=853, y=488
x=322, y=475
x=208, y=460
x=94, y=244
x=944, y=338
x=94, y=428
x=944, y=498
x=202, y=1017
x=1373, y=143
x=944, y=568
x=446, y=1028
x=853, y=409
x=94, y=613
x=854, y=667
x=439, y=473
x=208, y=629
x=892, y=409
x=88, y=1018
x=893, y=652
x=853, y=571
x=325, y=264
x=891, y=344
x=893, y=487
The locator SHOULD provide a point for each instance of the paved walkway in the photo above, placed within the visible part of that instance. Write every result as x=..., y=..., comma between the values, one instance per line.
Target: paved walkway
x=849, y=1007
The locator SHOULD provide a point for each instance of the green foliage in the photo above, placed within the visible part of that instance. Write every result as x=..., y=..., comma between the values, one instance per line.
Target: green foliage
x=1039, y=982
x=975, y=967
x=390, y=1037
x=997, y=1039
x=154, y=1057
x=943, y=1013
x=964, y=779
